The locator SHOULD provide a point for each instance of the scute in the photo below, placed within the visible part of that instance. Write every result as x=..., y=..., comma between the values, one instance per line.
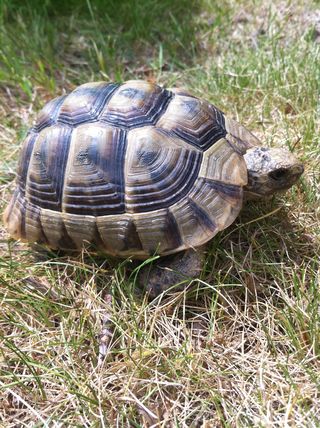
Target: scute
x=195, y=226
x=194, y=120
x=135, y=104
x=94, y=183
x=119, y=235
x=160, y=169
x=54, y=228
x=222, y=163
x=130, y=169
x=49, y=114
x=158, y=232
x=85, y=103
x=47, y=165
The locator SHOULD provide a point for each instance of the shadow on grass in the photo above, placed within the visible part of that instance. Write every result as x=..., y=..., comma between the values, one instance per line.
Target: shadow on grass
x=264, y=244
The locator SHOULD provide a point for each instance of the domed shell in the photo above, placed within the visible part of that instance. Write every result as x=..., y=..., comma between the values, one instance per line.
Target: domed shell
x=131, y=169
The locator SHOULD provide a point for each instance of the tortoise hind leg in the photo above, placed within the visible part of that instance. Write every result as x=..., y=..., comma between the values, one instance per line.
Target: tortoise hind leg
x=172, y=271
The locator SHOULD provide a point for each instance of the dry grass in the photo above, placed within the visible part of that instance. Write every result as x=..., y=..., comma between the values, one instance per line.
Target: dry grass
x=240, y=346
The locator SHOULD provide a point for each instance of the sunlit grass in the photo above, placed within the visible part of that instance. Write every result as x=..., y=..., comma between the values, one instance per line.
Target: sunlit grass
x=239, y=346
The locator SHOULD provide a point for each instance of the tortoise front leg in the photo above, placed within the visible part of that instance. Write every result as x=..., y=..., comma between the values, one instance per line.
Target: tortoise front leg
x=174, y=271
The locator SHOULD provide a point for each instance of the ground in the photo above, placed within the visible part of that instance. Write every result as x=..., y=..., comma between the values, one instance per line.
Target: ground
x=240, y=345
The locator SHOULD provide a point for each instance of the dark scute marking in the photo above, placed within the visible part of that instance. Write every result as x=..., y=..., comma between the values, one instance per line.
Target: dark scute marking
x=96, y=242
x=172, y=232
x=48, y=115
x=94, y=207
x=132, y=239
x=38, y=194
x=100, y=97
x=35, y=217
x=66, y=242
x=230, y=190
x=213, y=134
x=219, y=115
x=202, y=216
x=22, y=208
x=45, y=184
x=170, y=179
x=103, y=192
x=107, y=90
x=236, y=144
x=91, y=189
x=24, y=160
x=137, y=118
x=172, y=187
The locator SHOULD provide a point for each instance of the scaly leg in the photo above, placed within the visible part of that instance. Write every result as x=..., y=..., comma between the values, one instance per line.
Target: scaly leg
x=175, y=270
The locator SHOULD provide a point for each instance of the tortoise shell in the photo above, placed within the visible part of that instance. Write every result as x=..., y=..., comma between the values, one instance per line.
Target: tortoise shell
x=132, y=169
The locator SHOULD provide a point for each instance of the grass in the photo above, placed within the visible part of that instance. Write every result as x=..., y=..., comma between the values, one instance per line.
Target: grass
x=238, y=347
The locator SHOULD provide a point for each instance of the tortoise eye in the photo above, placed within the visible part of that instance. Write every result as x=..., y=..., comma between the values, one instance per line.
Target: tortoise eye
x=278, y=174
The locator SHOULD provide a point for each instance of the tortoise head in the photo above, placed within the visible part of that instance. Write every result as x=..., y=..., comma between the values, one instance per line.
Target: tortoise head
x=270, y=170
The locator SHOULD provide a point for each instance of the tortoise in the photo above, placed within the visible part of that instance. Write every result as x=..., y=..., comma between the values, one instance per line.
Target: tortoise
x=136, y=170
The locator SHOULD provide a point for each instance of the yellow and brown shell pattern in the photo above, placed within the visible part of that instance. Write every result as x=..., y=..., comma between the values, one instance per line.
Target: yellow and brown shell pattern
x=132, y=169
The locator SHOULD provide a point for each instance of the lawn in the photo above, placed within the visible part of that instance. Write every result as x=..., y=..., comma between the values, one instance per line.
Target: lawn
x=239, y=346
